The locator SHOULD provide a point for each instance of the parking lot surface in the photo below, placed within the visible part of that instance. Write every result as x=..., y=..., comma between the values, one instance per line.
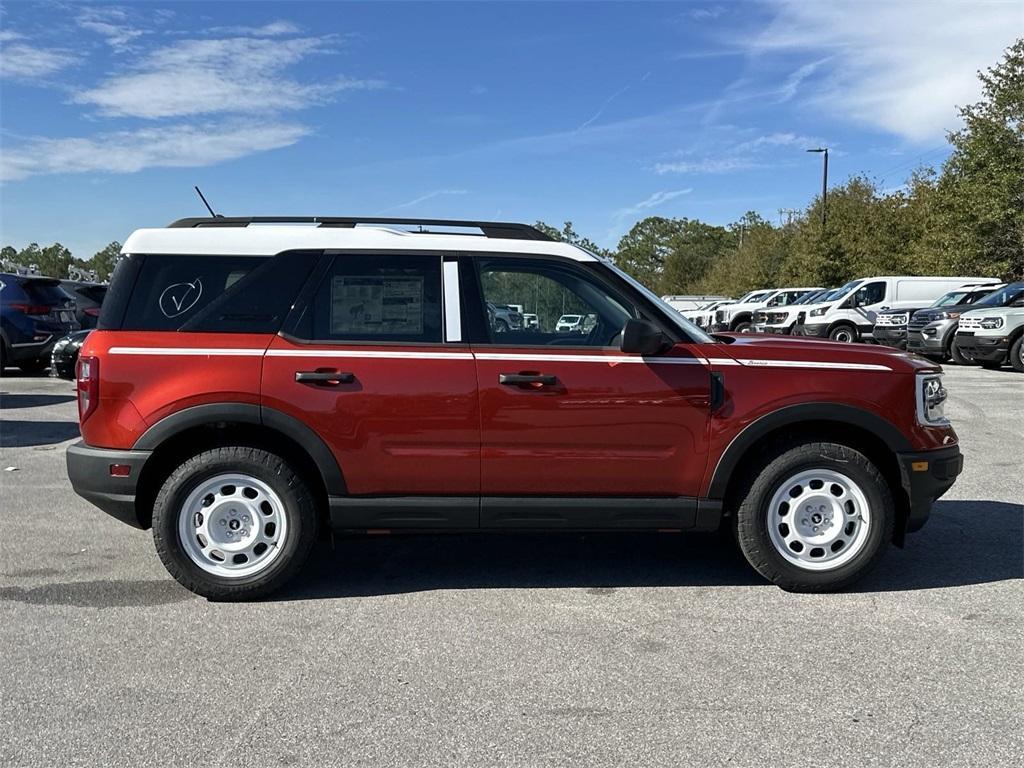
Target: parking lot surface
x=586, y=650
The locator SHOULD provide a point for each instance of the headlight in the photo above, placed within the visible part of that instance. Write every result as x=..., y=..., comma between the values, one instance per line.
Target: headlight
x=991, y=323
x=931, y=396
x=948, y=315
x=818, y=312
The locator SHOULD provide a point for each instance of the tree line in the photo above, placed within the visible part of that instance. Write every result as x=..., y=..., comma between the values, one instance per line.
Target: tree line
x=966, y=218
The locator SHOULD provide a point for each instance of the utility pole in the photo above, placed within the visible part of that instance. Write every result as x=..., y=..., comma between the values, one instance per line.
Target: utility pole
x=824, y=186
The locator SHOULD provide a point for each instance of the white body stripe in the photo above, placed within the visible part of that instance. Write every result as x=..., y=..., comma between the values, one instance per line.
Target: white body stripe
x=193, y=351
x=509, y=356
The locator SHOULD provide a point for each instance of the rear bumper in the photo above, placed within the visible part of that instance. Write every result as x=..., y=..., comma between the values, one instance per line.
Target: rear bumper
x=89, y=472
x=891, y=336
x=926, y=476
x=984, y=349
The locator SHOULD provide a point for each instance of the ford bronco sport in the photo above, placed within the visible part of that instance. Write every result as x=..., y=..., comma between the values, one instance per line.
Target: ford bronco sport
x=254, y=382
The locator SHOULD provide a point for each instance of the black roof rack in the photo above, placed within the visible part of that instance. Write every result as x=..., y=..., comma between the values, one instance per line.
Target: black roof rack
x=503, y=229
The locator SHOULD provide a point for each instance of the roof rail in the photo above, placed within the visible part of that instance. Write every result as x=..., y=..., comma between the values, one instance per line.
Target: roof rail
x=502, y=229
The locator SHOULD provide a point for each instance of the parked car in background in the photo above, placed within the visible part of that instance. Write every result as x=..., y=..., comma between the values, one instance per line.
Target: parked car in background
x=849, y=315
x=931, y=332
x=739, y=317
x=783, y=319
x=892, y=325
x=342, y=376
x=64, y=356
x=504, y=318
x=993, y=335
x=88, y=299
x=683, y=303
x=34, y=313
x=705, y=315
x=531, y=322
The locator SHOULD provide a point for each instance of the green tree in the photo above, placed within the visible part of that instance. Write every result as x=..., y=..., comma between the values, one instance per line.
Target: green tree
x=104, y=260
x=672, y=255
x=980, y=194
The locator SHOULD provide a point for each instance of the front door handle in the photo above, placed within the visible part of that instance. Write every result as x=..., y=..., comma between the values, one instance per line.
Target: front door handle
x=523, y=379
x=326, y=378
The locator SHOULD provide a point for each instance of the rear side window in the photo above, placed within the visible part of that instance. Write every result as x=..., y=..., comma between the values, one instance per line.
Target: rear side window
x=226, y=294
x=383, y=298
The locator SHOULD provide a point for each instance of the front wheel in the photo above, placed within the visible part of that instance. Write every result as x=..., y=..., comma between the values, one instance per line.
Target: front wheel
x=846, y=334
x=957, y=356
x=1017, y=354
x=815, y=518
x=234, y=523
x=742, y=328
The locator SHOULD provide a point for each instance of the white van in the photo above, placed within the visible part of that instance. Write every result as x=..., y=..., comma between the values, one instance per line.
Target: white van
x=849, y=314
x=681, y=303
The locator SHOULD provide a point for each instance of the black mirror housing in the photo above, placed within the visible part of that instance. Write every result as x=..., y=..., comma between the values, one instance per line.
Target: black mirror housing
x=642, y=337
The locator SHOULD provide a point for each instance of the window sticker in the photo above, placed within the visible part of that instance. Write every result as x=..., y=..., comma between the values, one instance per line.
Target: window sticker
x=375, y=304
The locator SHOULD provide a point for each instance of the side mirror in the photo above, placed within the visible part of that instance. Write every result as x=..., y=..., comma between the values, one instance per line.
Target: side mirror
x=642, y=337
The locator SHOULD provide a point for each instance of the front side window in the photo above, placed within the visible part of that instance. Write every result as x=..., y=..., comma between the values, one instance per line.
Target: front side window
x=872, y=293
x=384, y=298
x=571, y=308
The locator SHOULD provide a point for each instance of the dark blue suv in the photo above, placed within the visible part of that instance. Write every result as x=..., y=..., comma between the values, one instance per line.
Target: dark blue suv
x=34, y=313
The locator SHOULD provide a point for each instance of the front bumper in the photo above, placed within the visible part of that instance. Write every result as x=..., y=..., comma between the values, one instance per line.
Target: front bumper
x=89, y=472
x=983, y=349
x=891, y=336
x=812, y=329
x=926, y=476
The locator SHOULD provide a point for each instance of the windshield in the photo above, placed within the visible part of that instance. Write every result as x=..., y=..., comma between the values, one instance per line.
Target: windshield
x=812, y=297
x=691, y=330
x=569, y=319
x=1002, y=297
x=951, y=298
x=842, y=290
x=752, y=297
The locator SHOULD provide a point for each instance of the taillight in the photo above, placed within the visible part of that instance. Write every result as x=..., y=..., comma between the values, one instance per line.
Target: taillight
x=92, y=311
x=88, y=386
x=31, y=309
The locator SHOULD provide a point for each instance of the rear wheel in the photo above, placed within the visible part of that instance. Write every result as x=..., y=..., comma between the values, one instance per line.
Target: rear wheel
x=233, y=523
x=844, y=333
x=1017, y=354
x=743, y=327
x=815, y=518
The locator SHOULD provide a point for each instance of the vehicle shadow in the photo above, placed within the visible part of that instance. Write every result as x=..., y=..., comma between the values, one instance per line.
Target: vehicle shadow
x=25, y=434
x=15, y=400
x=966, y=542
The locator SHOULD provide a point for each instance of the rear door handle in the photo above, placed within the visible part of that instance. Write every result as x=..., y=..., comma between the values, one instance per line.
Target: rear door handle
x=324, y=378
x=521, y=379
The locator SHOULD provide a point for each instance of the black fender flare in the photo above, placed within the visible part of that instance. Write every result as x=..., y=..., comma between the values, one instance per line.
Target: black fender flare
x=795, y=415
x=742, y=317
x=248, y=413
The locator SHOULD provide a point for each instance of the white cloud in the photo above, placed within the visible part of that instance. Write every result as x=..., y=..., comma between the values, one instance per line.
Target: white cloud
x=901, y=67
x=779, y=140
x=25, y=61
x=273, y=29
x=655, y=200
x=705, y=166
x=796, y=78
x=424, y=198
x=110, y=23
x=233, y=75
x=130, y=151
x=706, y=14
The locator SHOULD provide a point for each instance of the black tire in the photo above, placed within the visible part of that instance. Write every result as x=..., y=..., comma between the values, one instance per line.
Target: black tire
x=844, y=333
x=957, y=356
x=37, y=365
x=751, y=517
x=991, y=365
x=3, y=357
x=500, y=326
x=299, y=508
x=743, y=327
x=1017, y=354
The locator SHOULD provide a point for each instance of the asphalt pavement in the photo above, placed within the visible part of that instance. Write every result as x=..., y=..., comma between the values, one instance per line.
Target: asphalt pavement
x=524, y=650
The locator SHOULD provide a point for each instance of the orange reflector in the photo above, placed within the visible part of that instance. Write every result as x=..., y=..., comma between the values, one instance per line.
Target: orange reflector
x=919, y=466
x=120, y=470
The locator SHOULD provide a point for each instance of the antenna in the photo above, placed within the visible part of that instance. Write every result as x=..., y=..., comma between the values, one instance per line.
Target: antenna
x=203, y=198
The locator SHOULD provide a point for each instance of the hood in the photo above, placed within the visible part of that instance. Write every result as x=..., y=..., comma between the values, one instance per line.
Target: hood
x=994, y=312
x=750, y=348
x=903, y=311
x=936, y=312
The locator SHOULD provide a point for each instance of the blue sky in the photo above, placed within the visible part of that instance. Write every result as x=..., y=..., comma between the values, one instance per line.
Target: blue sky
x=598, y=113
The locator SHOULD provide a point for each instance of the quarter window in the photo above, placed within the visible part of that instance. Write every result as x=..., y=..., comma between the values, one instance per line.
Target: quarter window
x=392, y=298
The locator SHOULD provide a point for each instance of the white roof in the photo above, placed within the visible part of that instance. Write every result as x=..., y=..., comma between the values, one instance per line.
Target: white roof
x=271, y=239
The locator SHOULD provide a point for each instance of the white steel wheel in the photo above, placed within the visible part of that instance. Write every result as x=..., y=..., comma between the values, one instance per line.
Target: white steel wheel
x=232, y=525
x=844, y=334
x=818, y=519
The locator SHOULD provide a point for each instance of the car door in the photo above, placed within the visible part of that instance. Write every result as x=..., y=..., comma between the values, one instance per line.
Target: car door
x=575, y=433
x=370, y=364
x=867, y=302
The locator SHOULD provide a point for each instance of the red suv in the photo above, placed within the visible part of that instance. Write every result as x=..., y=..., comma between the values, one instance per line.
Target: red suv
x=255, y=381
